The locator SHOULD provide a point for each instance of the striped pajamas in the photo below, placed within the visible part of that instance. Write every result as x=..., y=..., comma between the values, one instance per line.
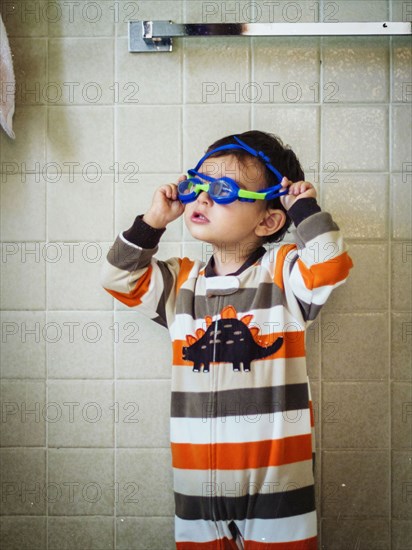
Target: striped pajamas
x=241, y=412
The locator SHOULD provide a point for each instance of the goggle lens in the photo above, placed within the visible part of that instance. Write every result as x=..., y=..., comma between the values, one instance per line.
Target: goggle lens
x=185, y=187
x=220, y=189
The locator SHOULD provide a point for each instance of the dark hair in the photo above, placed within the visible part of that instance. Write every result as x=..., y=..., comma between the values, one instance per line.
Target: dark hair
x=281, y=156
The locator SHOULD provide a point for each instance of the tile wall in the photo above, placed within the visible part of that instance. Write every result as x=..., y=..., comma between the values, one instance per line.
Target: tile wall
x=85, y=382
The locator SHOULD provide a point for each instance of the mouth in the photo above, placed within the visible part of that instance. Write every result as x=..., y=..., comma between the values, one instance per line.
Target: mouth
x=198, y=217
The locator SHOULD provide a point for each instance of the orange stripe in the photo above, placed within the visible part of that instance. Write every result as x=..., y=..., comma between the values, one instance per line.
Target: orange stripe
x=218, y=544
x=293, y=346
x=241, y=456
x=133, y=298
x=312, y=415
x=226, y=544
x=280, y=261
x=307, y=544
x=326, y=273
x=185, y=267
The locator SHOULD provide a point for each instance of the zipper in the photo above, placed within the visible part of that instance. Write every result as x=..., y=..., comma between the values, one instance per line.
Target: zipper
x=213, y=421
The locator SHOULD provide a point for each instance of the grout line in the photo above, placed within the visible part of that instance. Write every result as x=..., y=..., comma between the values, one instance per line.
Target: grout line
x=319, y=461
x=389, y=314
x=113, y=313
x=46, y=347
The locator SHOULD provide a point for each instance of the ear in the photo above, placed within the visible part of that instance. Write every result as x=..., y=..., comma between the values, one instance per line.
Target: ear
x=273, y=220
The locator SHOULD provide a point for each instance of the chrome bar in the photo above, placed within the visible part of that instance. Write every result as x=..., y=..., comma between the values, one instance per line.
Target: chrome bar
x=146, y=36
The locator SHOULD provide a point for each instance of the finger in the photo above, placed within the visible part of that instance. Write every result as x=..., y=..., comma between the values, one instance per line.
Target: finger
x=294, y=189
x=285, y=182
x=174, y=192
x=168, y=191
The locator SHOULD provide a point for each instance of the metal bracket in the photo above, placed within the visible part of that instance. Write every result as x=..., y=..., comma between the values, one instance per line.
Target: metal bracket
x=157, y=36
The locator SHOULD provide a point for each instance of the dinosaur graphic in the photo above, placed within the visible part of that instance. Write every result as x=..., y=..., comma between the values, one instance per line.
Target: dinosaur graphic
x=227, y=340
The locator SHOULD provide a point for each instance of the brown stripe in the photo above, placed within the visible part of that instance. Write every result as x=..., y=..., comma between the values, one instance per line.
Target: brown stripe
x=264, y=296
x=239, y=402
x=284, y=504
x=127, y=257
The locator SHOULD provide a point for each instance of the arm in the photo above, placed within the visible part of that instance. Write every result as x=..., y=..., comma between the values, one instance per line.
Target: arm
x=131, y=274
x=321, y=262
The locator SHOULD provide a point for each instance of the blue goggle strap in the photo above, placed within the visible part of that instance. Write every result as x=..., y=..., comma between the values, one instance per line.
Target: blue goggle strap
x=243, y=147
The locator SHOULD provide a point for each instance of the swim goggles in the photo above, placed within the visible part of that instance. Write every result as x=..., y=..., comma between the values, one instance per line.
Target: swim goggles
x=225, y=190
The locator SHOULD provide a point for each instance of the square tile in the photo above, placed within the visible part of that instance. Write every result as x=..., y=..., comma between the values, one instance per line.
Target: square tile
x=82, y=71
x=81, y=139
x=199, y=11
x=401, y=534
x=28, y=151
x=401, y=484
x=30, y=69
x=23, y=420
x=81, y=483
x=401, y=215
x=80, y=413
x=286, y=70
x=80, y=344
x=207, y=82
x=352, y=10
x=83, y=19
x=401, y=415
x=355, y=415
x=23, y=346
x=357, y=151
x=144, y=478
x=148, y=78
x=351, y=488
x=144, y=533
x=74, y=214
x=22, y=276
x=23, y=533
x=149, y=137
x=23, y=482
x=341, y=534
x=402, y=66
x=78, y=533
x=366, y=358
x=358, y=203
x=358, y=71
x=24, y=19
x=401, y=349
x=401, y=276
x=401, y=11
x=402, y=137
x=22, y=207
x=72, y=262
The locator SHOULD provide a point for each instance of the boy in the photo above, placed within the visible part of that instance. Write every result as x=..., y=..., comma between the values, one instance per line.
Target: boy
x=241, y=414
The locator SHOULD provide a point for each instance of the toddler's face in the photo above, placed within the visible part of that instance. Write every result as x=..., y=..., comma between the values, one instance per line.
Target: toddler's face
x=234, y=223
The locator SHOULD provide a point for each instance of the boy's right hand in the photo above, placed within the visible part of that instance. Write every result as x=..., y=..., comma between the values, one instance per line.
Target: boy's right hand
x=165, y=207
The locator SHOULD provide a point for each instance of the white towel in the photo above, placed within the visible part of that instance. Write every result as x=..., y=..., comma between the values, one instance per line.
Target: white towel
x=7, y=84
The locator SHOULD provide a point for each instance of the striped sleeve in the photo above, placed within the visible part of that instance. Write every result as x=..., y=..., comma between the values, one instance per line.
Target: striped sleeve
x=133, y=276
x=319, y=264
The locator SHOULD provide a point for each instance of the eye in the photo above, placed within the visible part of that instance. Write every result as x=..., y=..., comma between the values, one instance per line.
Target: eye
x=185, y=187
x=220, y=188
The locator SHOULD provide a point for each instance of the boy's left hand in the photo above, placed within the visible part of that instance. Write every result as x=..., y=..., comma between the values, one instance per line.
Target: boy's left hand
x=297, y=190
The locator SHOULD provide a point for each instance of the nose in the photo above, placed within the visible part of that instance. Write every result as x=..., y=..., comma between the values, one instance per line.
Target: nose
x=204, y=197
